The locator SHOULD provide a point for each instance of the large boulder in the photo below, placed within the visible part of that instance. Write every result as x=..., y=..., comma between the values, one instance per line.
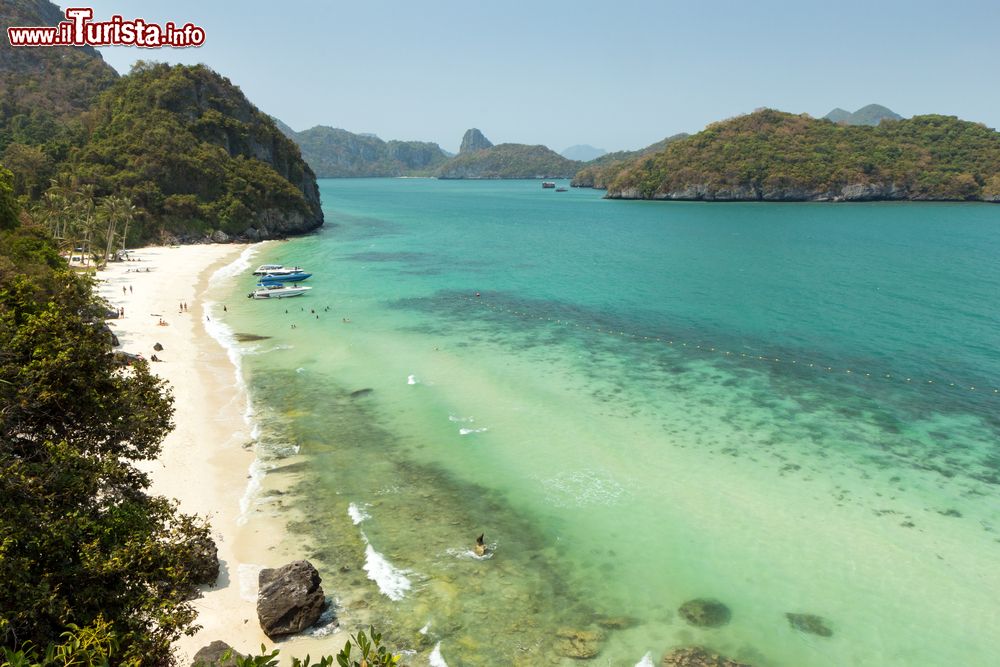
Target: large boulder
x=204, y=562
x=211, y=655
x=290, y=598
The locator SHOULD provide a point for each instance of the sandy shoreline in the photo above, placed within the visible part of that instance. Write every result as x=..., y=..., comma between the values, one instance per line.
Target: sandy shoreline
x=205, y=459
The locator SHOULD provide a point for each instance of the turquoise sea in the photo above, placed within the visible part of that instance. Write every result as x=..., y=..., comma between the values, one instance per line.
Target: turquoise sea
x=788, y=408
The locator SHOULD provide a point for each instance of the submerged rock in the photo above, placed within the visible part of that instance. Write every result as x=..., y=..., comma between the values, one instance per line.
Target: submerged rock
x=696, y=656
x=358, y=393
x=290, y=599
x=211, y=655
x=814, y=625
x=616, y=622
x=705, y=613
x=579, y=644
x=249, y=338
x=158, y=347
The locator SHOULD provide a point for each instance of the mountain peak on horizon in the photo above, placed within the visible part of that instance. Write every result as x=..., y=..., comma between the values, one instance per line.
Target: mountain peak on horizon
x=871, y=114
x=583, y=153
x=473, y=140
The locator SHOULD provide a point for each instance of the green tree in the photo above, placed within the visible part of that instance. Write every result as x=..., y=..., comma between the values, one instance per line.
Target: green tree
x=81, y=542
x=10, y=211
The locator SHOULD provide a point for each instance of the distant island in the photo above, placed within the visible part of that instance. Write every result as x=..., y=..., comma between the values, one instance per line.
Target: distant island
x=770, y=155
x=582, y=153
x=479, y=158
x=872, y=114
x=337, y=153
x=595, y=174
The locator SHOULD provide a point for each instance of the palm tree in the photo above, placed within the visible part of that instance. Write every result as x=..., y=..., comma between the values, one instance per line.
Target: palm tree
x=115, y=210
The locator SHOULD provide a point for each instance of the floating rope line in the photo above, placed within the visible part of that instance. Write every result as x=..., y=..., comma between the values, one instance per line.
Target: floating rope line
x=902, y=379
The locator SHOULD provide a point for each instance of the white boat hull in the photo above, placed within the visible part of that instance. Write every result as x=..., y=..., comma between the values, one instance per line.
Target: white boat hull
x=278, y=292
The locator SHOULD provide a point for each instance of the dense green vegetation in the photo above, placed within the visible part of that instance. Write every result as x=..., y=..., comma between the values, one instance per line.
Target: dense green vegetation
x=773, y=155
x=43, y=92
x=509, y=161
x=185, y=146
x=84, y=548
x=336, y=153
x=44, y=96
x=180, y=144
x=597, y=172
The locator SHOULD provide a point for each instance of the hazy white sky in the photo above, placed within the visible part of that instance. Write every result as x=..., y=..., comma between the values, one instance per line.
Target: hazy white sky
x=615, y=75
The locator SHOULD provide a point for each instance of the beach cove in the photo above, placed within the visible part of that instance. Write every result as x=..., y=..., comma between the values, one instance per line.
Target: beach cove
x=207, y=461
x=633, y=423
x=583, y=412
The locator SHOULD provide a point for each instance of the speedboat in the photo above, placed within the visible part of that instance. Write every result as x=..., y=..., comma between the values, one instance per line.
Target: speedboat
x=276, y=269
x=277, y=291
x=548, y=184
x=294, y=277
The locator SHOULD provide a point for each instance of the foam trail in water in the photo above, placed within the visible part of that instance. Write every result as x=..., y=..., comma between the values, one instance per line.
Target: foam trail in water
x=238, y=266
x=467, y=431
x=391, y=582
x=461, y=420
x=357, y=514
x=326, y=624
x=258, y=469
x=647, y=661
x=435, y=659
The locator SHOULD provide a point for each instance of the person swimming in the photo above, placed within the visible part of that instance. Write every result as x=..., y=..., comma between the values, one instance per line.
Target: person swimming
x=480, y=547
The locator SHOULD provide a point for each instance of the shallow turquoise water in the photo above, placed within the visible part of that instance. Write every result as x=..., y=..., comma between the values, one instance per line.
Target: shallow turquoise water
x=788, y=408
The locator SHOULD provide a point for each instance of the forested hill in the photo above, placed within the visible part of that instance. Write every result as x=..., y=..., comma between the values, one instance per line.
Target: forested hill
x=479, y=158
x=187, y=148
x=775, y=156
x=44, y=90
x=179, y=148
x=596, y=172
x=336, y=153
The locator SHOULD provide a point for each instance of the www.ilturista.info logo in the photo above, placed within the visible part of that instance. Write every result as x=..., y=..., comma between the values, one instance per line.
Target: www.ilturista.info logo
x=79, y=30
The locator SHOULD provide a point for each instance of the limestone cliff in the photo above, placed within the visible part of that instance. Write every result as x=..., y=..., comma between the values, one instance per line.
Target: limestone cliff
x=195, y=156
x=337, y=153
x=473, y=140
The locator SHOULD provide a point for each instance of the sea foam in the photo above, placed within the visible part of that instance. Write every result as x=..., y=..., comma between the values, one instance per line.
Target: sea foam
x=238, y=266
x=647, y=661
x=435, y=659
x=468, y=431
x=357, y=514
x=257, y=472
x=392, y=582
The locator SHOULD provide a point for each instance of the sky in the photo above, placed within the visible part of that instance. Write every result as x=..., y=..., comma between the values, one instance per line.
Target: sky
x=615, y=74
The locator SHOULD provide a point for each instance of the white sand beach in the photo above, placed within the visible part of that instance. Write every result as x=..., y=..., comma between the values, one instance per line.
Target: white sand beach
x=205, y=459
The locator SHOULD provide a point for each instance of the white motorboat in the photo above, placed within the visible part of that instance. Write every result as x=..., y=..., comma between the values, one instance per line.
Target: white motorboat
x=279, y=270
x=267, y=268
x=277, y=291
